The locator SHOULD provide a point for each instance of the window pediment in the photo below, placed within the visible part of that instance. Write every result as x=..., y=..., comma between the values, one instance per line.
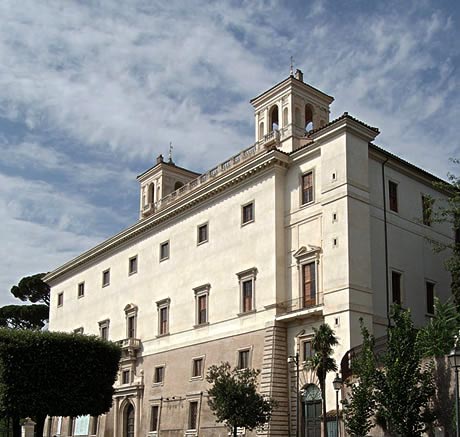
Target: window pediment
x=307, y=252
x=130, y=309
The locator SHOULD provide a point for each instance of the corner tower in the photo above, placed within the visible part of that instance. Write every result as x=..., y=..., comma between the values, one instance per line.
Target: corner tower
x=285, y=112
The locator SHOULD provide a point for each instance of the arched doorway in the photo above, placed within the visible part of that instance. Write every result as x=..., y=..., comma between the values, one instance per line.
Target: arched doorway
x=128, y=430
x=311, y=411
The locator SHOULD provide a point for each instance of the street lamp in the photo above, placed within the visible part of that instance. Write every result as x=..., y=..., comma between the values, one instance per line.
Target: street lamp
x=337, y=383
x=295, y=359
x=454, y=361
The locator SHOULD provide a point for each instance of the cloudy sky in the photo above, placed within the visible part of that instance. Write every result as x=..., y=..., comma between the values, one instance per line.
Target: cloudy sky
x=92, y=91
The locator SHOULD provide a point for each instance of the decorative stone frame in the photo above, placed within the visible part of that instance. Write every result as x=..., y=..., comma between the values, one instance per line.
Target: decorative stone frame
x=158, y=383
x=81, y=286
x=154, y=433
x=253, y=203
x=163, y=303
x=104, y=324
x=104, y=272
x=202, y=290
x=198, y=398
x=306, y=255
x=164, y=244
x=60, y=299
x=243, y=276
x=244, y=349
x=313, y=177
x=199, y=377
x=130, y=259
x=198, y=242
x=131, y=311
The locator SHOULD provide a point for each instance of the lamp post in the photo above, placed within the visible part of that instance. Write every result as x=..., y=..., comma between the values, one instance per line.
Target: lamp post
x=295, y=359
x=337, y=383
x=454, y=361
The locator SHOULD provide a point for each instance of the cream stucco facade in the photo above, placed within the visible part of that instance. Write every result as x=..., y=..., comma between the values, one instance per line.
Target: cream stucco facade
x=240, y=263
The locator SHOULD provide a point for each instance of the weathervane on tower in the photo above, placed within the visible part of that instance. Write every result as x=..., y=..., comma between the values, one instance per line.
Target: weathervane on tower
x=170, y=151
x=292, y=66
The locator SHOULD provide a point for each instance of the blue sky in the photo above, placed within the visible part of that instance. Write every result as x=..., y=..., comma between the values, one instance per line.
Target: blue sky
x=92, y=92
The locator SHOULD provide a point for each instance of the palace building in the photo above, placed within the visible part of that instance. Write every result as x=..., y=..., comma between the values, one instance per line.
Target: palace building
x=312, y=223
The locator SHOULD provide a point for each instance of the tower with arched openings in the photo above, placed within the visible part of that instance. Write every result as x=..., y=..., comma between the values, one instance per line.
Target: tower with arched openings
x=285, y=113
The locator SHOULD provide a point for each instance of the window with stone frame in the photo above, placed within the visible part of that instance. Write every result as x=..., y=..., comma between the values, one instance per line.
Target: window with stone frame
x=125, y=376
x=247, y=213
x=202, y=233
x=104, y=329
x=202, y=304
x=159, y=374
x=60, y=299
x=154, y=417
x=309, y=285
x=132, y=265
x=81, y=289
x=197, y=367
x=164, y=251
x=163, y=316
x=307, y=188
x=396, y=287
x=247, y=282
x=106, y=278
x=131, y=320
x=244, y=356
x=193, y=415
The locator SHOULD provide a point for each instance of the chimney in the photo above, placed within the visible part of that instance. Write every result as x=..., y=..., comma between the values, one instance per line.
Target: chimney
x=299, y=75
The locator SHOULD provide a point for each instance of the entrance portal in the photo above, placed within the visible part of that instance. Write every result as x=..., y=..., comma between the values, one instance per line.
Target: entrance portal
x=129, y=421
x=311, y=411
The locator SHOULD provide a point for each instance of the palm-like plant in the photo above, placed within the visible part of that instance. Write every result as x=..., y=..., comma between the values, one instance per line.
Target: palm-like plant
x=322, y=362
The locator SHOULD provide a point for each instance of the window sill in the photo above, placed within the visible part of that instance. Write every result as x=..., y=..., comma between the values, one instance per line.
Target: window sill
x=247, y=223
x=201, y=325
x=200, y=243
x=132, y=273
x=162, y=335
x=105, y=285
x=304, y=205
x=164, y=259
x=79, y=297
x=246, y=313
x=196, y=378
x=158, y=384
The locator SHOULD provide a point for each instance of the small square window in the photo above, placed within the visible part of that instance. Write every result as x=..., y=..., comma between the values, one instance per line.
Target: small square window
x=164, y=250
x=193, y=415
x=393, y=195
x=159, y=375
x=132, y=265
x=106, y=278
x=125, y=377
x=243, y=359
x=197, y=369
x=60, y=299
x=81, y=289
x=429, y=298
x=247, y=213
x=202, y=233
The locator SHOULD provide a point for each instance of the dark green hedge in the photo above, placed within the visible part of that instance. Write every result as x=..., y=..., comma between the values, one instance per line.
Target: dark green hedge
x=56, y=374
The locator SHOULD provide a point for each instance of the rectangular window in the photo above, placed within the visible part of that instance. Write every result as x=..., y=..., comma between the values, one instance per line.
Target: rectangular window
x=429, y=298
x=243, y=359
x=60, y=299
x=427, y=204
x=159, y=375
x=164, y=250
x=125, y=377
x=396, y=287
x=132, y=265
x=247, y=213
x=81, y=289
x=309, y=285
x=197, y=369
x=247, y=295
x=307, y=188
x=104, y=329
x=307, y=350
x=193, y=415
x=202, y=309
x=203, y=233
x=106, y=278
x=393, y=195
x=163, y=320
x=154, y=416
x=131, y=326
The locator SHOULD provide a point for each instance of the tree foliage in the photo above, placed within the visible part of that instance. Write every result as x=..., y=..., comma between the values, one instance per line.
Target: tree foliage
x=322, y=362
x=32, y=289
x=24, y=316
x=234, y=400
x=359, y=408
x=56, y=374
x=403, y=385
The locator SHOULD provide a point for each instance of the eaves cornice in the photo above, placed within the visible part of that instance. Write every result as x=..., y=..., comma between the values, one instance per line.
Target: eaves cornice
x=248, y=169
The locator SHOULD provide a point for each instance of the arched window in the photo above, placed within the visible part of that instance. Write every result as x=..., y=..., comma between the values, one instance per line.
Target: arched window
x=261, y=130
x=274, y=119
x=297, y=117
x=177, y=185
x=129, y=421
x=308, y=118
x=285, y=117
x=311, y=411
